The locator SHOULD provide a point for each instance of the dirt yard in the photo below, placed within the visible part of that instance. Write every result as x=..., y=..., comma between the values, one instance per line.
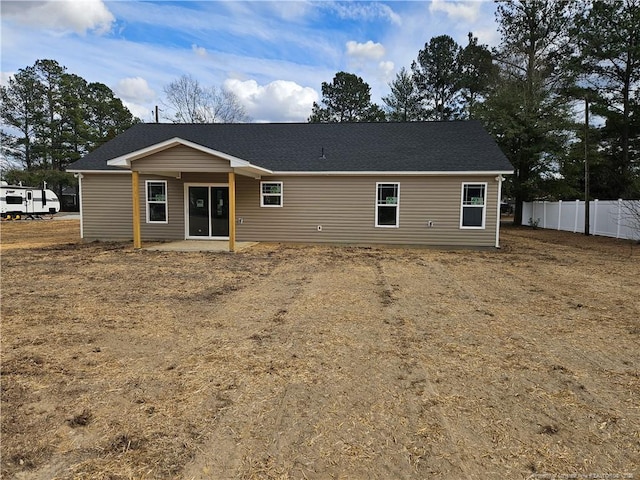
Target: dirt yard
x=310, y=362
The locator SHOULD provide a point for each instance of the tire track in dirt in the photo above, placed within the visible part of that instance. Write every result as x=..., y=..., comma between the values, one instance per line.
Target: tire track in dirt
x=447, y=455
x=249, y=319
x=437, y=308
x=515, y=366
x=339, y=401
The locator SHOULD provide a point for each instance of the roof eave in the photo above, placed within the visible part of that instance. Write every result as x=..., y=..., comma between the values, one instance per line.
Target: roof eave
x=394, y=172
x=97, y=170
x=257, y=172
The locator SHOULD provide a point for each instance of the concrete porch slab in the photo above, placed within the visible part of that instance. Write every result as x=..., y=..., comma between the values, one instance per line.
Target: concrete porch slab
x=198, y=246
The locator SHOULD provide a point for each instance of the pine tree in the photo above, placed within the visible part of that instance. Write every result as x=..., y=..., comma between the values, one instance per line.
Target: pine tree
x=403, y=104
x=525, y=110
x=346, y=99
x=437, y=75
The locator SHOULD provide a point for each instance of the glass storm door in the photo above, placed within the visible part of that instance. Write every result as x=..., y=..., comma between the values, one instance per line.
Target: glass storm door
x=208, y=211
x=219, y=211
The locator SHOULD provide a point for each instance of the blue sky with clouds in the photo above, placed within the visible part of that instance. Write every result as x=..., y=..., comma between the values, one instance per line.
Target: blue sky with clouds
x=273, y=55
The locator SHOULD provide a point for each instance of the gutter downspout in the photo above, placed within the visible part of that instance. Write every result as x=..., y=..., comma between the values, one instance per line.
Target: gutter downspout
x=79, y=176
x=499, y=179
x=135, y=190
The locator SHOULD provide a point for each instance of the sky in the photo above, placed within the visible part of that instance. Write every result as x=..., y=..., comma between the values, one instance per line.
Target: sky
x=273, y=55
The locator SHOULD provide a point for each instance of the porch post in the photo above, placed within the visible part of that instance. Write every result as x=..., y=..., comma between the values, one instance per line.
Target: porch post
x=137, y=243
x=499, y=179
x=232, y=212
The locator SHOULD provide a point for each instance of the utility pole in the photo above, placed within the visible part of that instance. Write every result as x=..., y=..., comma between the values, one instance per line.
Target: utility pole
x=586, y=166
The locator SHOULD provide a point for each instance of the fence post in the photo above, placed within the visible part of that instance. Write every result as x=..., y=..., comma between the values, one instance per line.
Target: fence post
x=595, y=217
x=619, y=217
x=534, y=204
x=544, y=214
x=575, y=224
x=559, y=212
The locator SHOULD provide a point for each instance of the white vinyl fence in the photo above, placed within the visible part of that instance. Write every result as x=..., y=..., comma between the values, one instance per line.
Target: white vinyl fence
x=609, y=218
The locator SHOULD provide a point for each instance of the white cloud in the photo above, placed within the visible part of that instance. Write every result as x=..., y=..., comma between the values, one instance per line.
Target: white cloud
x=464, y=11
x=134, y=89
x=61, y=15
x=278, y=101
x=136, y=95
x=200, y=51
x=364, y=11
x=386, y=69
x=290, y=10
x=366, y=60
x=365, y=51
x=143, y=112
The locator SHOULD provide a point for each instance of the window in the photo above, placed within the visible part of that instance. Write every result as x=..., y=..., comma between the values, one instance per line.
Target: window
x=270, y=194
x=156, y=201
x=387, y=204
x=472, y=210
x=13, y=200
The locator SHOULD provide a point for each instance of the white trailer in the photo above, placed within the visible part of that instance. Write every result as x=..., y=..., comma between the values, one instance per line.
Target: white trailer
x=17, y=201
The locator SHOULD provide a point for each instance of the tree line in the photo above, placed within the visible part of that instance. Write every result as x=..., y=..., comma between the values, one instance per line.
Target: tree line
x=55, y=117
x=51, y=118
x=554, y=60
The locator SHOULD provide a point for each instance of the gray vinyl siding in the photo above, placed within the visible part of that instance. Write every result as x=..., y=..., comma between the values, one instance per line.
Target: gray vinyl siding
x=107, y=210
x=345, y=207
x=181, y=159
x=107, y=213
x=174, y=229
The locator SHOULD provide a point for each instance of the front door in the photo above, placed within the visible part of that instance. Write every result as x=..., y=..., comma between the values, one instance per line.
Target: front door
x=208, y=211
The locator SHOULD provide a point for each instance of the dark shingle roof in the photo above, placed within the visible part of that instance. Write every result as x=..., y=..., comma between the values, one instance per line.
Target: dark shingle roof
x=352, y=147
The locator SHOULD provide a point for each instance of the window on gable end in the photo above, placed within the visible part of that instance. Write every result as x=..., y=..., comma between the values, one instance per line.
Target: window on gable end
x=473, y=205
x=387, y=204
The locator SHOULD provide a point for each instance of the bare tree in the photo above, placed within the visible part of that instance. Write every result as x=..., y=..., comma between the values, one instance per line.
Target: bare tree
x=189, y=102
x=227, y=107
x=630, y=216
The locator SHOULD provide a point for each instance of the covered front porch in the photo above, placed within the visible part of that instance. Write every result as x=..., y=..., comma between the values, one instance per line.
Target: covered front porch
x=204, y=207
x=209, y=213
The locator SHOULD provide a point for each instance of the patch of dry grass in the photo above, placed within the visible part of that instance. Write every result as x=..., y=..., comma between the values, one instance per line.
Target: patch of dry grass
x=288, y=361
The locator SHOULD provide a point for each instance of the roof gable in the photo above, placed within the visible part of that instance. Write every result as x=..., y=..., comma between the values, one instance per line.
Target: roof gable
x=151, y=156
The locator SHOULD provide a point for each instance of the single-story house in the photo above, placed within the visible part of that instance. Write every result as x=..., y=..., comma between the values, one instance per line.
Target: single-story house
x=422, y=183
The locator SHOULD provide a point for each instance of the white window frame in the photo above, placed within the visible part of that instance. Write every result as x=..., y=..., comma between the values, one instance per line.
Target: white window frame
x=263, y=195
x=483, y=206
x=163, y=202
x=397, y=205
